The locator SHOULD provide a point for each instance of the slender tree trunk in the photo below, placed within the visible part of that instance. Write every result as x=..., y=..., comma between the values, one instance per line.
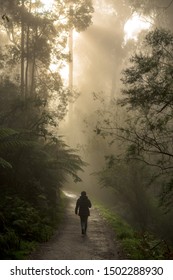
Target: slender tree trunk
x=32, y=74
x=22, y=55
x=27, y=63
x=71, y=59
x=27, y=77
x=70, y=78
x=32, y=77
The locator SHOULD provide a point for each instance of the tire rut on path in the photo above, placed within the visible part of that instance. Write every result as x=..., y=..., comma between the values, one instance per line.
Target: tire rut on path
x=68, y=243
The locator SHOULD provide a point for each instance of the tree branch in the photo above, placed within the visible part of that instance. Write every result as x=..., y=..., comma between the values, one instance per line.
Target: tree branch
x=165, y=7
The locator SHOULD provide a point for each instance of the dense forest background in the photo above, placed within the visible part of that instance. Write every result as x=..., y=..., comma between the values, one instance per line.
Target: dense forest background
x=116, y=116
x=35, y=159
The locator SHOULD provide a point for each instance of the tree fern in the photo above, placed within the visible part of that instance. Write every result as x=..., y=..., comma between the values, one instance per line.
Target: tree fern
x=65, y=159
x=9, y=140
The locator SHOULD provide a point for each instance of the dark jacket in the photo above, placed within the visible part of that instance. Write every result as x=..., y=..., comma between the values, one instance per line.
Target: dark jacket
x=82, y=206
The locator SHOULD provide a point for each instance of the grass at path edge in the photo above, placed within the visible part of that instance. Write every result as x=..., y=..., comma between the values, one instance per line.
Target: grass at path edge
x=136, y=245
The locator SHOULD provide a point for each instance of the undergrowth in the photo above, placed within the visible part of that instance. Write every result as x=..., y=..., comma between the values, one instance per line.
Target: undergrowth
x=136, y=245
x=17, y=246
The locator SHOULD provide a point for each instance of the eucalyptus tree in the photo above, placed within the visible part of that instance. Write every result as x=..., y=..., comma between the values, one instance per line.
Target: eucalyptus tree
x=160, y=10
x=34, y=161
x=37, y=39
x=149, y=90
x=147, y=97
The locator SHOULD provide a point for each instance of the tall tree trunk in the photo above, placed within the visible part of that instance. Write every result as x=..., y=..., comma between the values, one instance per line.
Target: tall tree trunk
x=22, y=55
x=71, y=59
x=70, y=115
x=32, y=72
x=27, y=63
x=27, y=77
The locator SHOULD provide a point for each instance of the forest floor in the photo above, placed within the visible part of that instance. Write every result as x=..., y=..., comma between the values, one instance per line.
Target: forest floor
x=68, y=244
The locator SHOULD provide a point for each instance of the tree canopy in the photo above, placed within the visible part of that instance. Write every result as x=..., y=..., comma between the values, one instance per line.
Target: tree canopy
x=144, y=133
x=149, y=90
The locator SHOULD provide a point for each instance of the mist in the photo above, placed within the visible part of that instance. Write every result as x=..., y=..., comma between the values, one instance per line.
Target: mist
x=86, y=105
x=99, y=54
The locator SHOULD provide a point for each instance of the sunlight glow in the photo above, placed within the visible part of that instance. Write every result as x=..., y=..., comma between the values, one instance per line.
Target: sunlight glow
x=64, y=69
x=47, y=4
x=104, y=8
x=75, y=35
x=68, y=194
x=64, y=72
x=134, y=26
x=53, y=67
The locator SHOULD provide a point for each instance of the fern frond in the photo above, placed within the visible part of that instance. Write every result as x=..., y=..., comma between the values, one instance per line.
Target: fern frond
x=6, y=132
x=4, y=163
x=11, y=144
x=10, y=139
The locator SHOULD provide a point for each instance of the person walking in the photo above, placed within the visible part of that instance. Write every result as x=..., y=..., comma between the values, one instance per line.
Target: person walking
x=82, y=209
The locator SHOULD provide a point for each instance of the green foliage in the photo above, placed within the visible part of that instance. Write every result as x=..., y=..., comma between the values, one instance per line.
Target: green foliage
x=37, y=164
x=149, y=80
x=39, y=38
x=36, y=39
x=4, y=163
x=25, y=249
x=139, y=167
x=148, y=93
x=65, y=160
x=9, y=242
x=136, y=245
x=158, y=8
x=80, y=14
x=30, y=191
x=9, y=140
x=34, y=161
x=166, y=196
x=30, y=199
x=130, y=182
x=144, y=7
x=122, y=229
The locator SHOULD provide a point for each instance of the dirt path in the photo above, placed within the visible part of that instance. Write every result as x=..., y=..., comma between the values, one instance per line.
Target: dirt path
x=69, y=244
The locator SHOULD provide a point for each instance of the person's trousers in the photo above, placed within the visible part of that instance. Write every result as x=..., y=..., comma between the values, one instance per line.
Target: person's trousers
x=84, y=220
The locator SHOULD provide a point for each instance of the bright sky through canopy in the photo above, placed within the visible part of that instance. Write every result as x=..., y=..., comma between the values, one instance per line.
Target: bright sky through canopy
x=64, y=70
x=47, y=4
x=134, y=26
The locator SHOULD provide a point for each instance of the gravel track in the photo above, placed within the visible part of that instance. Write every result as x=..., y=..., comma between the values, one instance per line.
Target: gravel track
x=68, y=243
